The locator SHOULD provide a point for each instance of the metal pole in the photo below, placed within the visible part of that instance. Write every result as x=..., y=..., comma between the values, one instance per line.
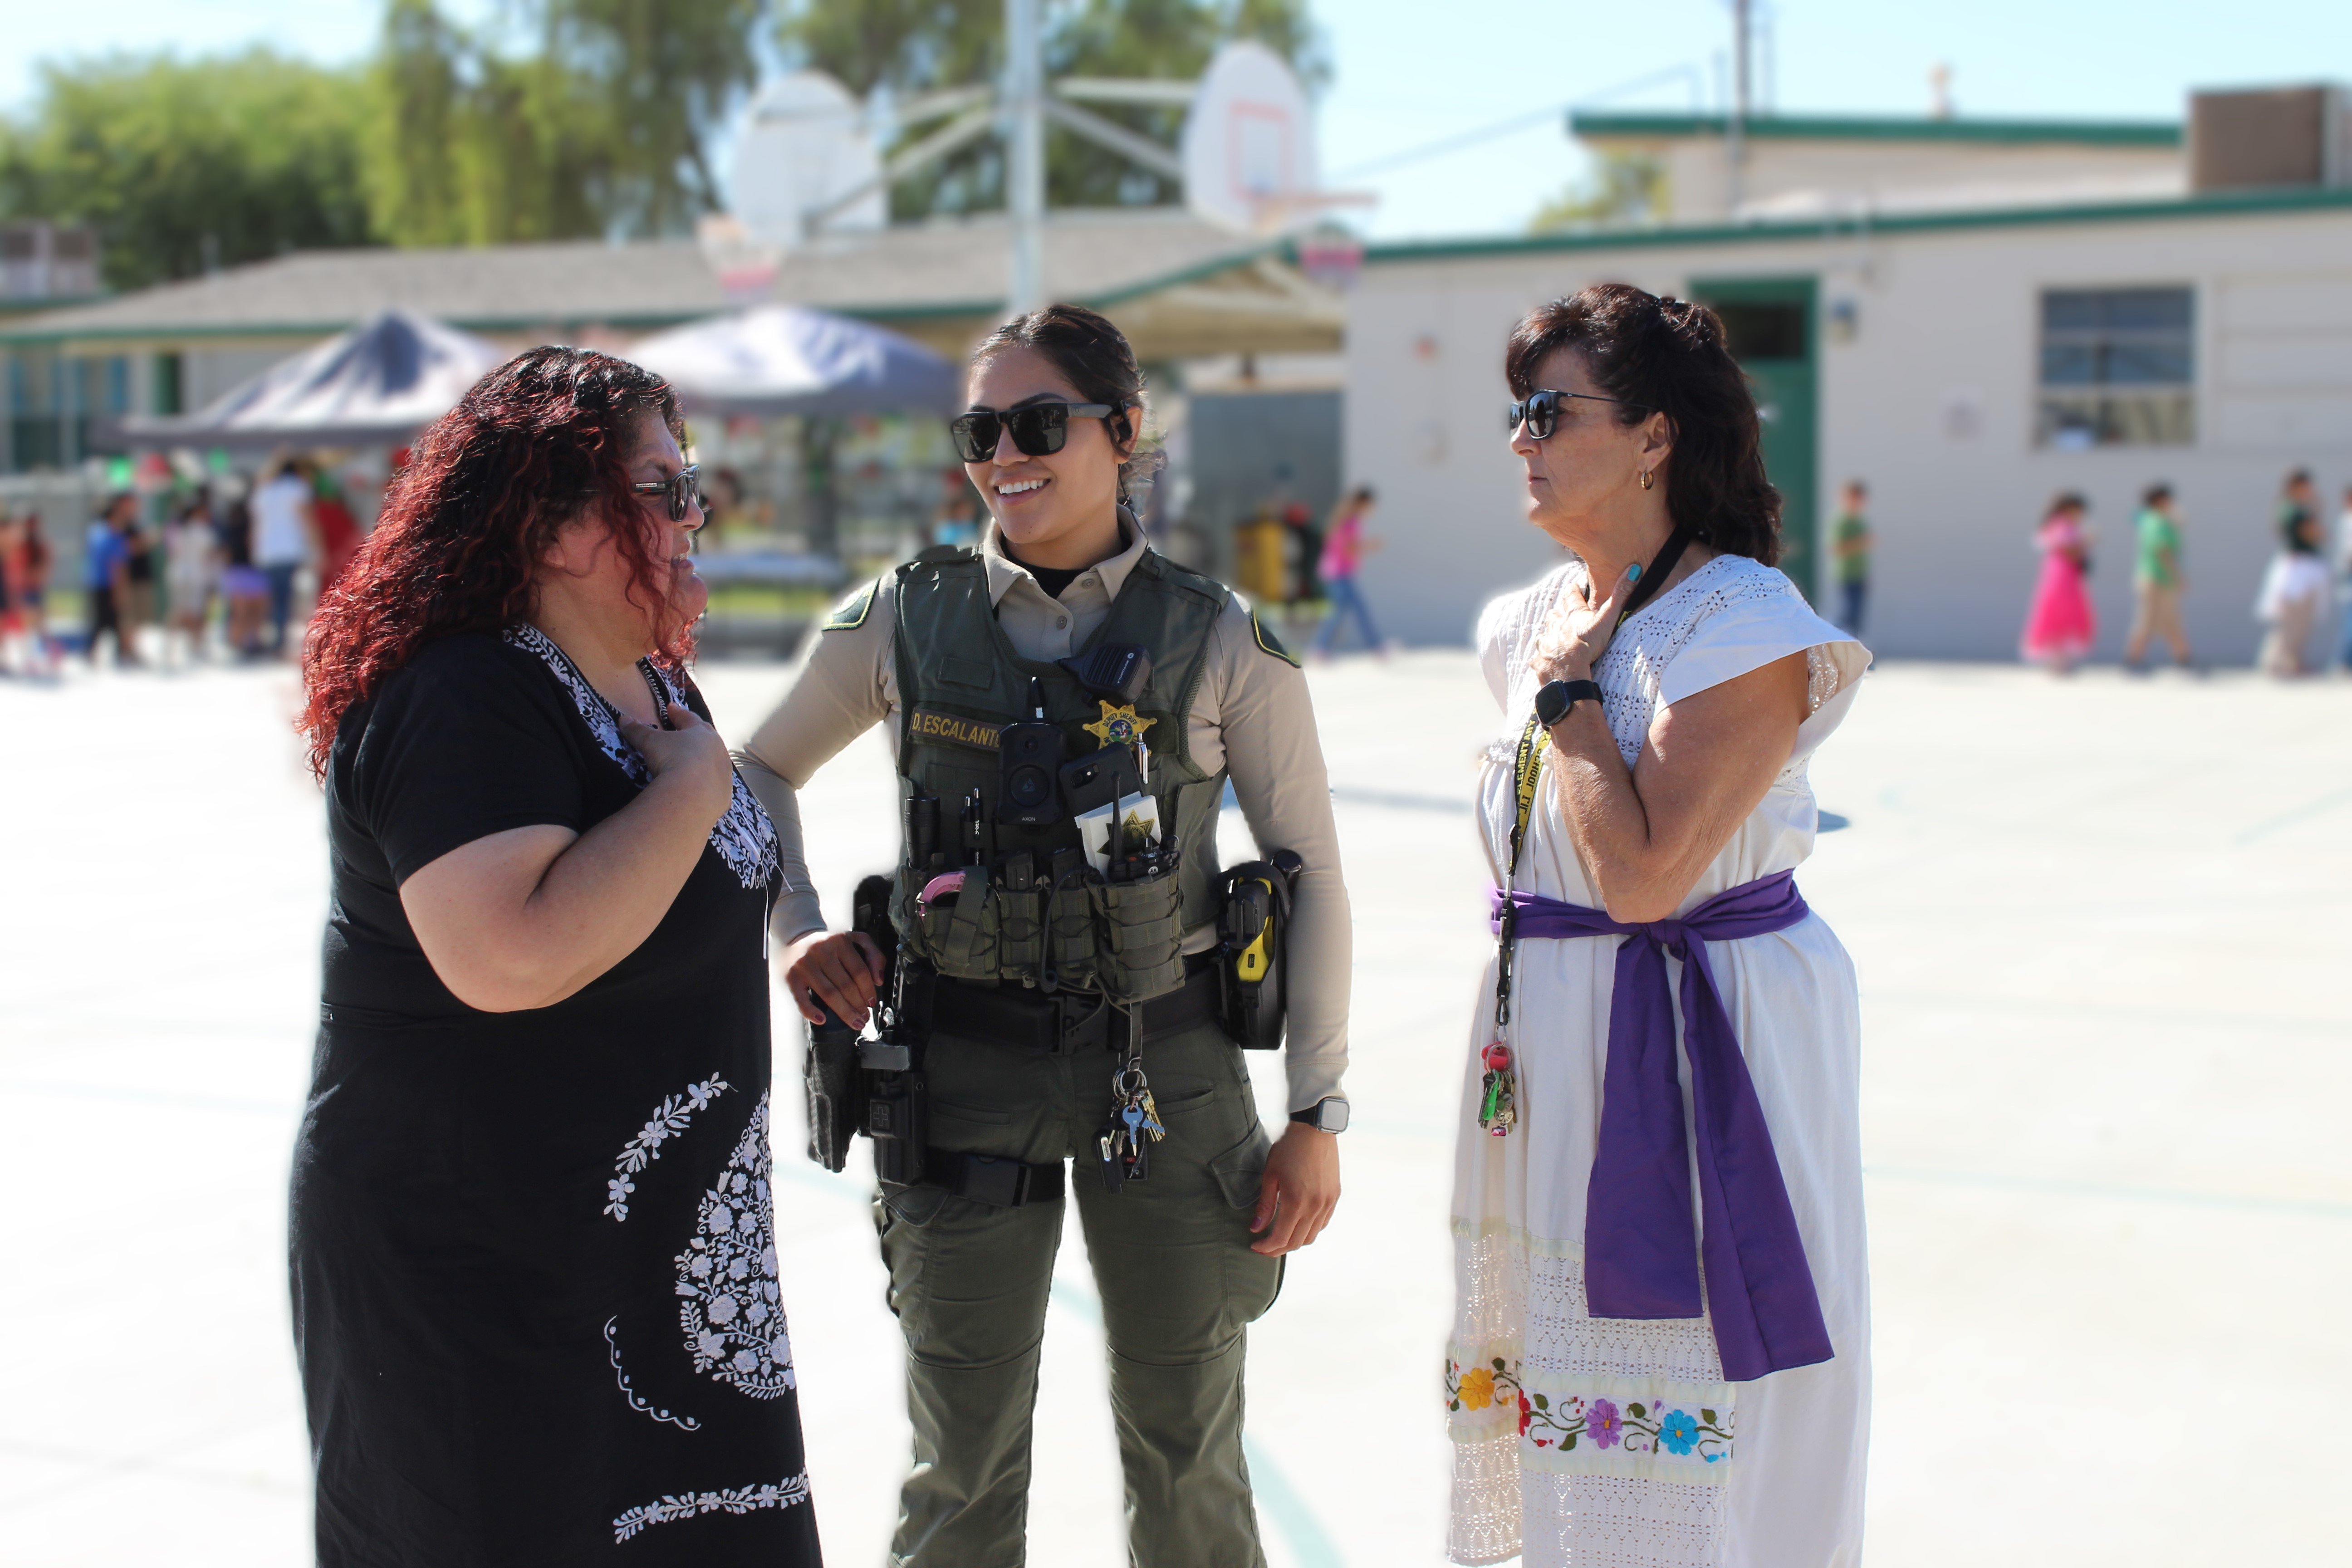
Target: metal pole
x=1024, y=139
x=1734, y=141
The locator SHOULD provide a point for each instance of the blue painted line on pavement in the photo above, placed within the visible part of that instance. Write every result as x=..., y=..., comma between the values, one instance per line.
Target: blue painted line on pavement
x=2302, y=1208
x=2301, y=813
x=167, y=1099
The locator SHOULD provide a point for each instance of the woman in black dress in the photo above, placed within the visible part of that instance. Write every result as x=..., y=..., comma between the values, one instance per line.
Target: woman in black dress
x=536, y=1295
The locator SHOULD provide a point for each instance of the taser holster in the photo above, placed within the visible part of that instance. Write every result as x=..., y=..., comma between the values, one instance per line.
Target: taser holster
x=1252, y=937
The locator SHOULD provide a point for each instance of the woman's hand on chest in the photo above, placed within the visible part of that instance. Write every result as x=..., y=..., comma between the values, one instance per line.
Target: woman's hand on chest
x=1646, y=835
x=690, y=754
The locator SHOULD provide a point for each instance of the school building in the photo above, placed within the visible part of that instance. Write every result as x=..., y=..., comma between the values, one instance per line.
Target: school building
x=1968, y=315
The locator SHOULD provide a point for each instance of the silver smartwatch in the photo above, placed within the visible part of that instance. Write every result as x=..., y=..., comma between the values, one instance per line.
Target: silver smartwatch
x=1329, y=1114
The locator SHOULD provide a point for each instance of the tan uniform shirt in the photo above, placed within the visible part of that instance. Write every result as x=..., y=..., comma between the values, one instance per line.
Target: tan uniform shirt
x=1252, y=717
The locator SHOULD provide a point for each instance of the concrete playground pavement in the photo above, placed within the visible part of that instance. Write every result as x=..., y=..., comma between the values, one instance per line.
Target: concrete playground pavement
x=2102, y=927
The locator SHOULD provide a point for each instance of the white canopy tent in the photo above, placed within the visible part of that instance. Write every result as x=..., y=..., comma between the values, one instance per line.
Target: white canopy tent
x=789, y=359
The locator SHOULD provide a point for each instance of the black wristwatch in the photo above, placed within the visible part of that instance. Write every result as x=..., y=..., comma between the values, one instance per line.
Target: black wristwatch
x=1329, y=1114
x=1555, y=700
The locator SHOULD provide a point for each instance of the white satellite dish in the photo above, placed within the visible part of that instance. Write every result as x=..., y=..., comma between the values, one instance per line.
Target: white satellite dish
x=805, y=143
x=1249, y=143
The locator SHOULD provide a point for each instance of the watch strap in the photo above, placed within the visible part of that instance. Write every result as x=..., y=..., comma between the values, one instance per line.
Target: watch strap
x=1554, y=700
x=1316, y=1114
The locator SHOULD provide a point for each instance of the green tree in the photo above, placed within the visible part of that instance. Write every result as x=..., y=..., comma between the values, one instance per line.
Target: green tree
x=604, y=130
x=663, y=77
x=467, y=147
x=913, y=47
x=182, y=164
x=1622, y=190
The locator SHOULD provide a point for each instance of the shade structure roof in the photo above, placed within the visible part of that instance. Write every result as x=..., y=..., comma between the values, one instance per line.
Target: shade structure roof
x=380, y=383
x=790, y=359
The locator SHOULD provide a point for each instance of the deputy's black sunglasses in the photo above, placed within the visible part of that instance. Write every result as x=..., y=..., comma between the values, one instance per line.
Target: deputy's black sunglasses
x=1539, y=411
x=684, y=488
x=1037, y=427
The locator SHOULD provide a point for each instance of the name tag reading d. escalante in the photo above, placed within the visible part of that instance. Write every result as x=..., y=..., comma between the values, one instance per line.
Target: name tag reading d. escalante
x=931, y=724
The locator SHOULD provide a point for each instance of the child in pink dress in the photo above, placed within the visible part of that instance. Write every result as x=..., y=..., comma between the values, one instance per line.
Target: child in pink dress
x=2061, y=626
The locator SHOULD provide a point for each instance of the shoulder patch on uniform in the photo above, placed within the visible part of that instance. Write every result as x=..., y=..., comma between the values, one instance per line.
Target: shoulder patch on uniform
x=1271, y=642
x=852, y=612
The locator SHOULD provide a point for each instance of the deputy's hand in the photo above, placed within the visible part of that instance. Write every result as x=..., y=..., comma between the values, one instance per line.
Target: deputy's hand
x=689, y=750
x=1298, y=1191
x=1573, y=641
x=843, y=967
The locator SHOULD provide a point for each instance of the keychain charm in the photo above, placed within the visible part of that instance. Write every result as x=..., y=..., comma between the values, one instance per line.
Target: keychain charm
x=1498, y=1099
x=1498, y=1105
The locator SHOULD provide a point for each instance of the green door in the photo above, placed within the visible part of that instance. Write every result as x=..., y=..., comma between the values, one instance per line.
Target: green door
x=1772, y=324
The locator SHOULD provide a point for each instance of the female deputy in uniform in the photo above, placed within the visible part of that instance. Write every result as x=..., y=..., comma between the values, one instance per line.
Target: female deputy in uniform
x=944, y=652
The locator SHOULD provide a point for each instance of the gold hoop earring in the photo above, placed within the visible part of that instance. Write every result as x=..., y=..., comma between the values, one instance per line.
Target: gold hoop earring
x=1647, y=482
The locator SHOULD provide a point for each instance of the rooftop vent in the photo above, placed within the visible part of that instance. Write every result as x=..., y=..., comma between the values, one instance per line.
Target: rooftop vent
x=2269, y=137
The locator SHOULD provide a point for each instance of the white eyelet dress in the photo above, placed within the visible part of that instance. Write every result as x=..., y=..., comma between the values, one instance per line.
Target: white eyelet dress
x=1611, y=1442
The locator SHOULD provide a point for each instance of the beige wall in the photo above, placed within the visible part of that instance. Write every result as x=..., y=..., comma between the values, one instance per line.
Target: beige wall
x=1895, y=176
x=1931, y=400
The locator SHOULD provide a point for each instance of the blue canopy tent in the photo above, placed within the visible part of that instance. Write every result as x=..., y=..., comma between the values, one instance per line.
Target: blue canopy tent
x=789, y=359
x=378, y=385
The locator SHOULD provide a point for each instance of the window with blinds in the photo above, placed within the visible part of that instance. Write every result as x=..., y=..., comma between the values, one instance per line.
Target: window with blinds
x=2118, y=368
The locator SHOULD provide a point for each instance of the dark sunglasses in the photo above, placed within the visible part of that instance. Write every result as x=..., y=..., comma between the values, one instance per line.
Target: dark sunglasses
x=1539, y=411
x=684, y=488
x=1037, y=427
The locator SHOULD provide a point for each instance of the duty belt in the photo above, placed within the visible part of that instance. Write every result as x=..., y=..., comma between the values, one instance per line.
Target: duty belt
x=1071, y=1022
x=992, y=1179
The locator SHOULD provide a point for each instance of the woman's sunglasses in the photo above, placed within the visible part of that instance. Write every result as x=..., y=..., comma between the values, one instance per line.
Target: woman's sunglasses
x=1037, y=428
x=683, y=488
x=1539, y=411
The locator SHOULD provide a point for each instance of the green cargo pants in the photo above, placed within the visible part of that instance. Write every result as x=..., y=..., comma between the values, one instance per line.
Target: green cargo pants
x=1179, y=1283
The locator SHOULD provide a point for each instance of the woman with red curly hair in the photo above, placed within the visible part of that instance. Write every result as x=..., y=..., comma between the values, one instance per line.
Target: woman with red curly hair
x=535, y=1285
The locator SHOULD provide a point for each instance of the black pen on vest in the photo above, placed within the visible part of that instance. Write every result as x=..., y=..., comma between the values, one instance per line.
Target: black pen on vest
x=973, y=850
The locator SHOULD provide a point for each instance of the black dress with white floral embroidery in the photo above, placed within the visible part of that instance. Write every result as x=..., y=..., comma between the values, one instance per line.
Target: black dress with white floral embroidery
x=536, y=1294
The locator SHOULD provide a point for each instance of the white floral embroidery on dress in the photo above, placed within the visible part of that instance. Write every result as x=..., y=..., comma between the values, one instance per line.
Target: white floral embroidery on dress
x=668, y=1120
x=744, y=836
x=731, y=1307
x=637, y=1401
x=734, y=1500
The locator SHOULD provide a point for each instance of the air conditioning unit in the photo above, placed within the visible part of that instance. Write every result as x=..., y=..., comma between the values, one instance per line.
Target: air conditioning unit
x=2269, y=137
x=40, y=260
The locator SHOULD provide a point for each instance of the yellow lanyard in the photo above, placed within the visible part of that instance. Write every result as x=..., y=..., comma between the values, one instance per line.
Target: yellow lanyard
x=1527, y=769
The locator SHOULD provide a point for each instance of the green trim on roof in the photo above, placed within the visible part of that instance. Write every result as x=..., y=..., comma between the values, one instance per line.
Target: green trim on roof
x=311, y=332
x=2232, y=204
x=1852, y=128
x=1192, y=274
x=34, y=336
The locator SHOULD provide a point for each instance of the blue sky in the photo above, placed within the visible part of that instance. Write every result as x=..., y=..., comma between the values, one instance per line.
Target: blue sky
x=1409, y=73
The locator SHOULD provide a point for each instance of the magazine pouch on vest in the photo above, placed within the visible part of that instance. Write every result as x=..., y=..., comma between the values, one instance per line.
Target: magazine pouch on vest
x=1016, y=902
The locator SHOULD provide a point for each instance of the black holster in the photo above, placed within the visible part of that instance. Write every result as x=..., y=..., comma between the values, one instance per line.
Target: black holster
x=875, y=1087
x=1253, y=918
x=835, y=1087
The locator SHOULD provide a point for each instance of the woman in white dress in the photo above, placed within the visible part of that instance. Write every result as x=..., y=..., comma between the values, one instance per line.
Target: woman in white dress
x=1661, y=1347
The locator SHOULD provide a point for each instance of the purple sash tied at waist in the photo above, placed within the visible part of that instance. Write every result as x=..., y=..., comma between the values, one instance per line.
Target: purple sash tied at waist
x=1641, y=1259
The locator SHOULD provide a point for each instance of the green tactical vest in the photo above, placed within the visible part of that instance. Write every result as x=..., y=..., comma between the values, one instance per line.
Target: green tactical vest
x=960, y=680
